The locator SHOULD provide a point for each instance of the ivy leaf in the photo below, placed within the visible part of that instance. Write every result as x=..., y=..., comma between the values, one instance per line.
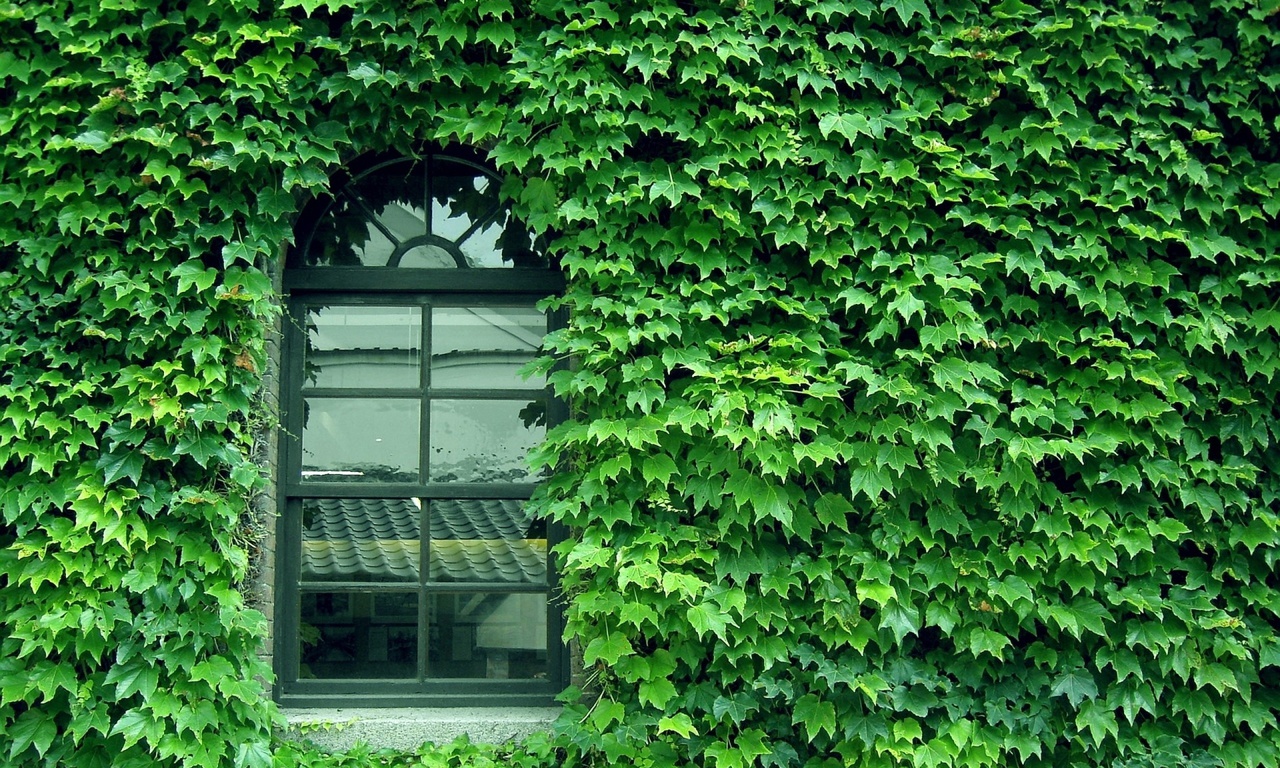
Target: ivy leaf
x=706, y=617
x=934, y=753
x=55, y=677
x=1219, y=676
x=738, y=707
x=194, y=274
x=673, y=190
x=213, y=670
x=869, y=480
x=1013, y=9
x=643, y=60
x=32, y=728
x=1076, y=684
x=658, y=469
x=897, y=457
x=202, y=448
x=766, y=500
x=133, y=677
x=657, y=692
x=1170, y=528
x=908, y=8
x=1099, y=720
x=309, y=6
x=1203, y=498
x=679, y=723
x=848, y=125
x=254, y=754
x=136, y=725
x=540, y=195
x=121, y=464
x=96, y=141
x=274, y=203
x=364, y=72
x=817, y=716
x=833, y=511
x=900, y=620
x=982, y=640
x=607, y=649
x=875, y=591
x=1045, y=143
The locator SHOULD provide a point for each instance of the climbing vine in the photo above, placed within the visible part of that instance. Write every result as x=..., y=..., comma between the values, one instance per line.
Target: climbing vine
x=924, y=365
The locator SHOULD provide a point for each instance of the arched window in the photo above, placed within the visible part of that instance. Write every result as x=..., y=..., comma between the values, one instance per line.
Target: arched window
x=408, y=570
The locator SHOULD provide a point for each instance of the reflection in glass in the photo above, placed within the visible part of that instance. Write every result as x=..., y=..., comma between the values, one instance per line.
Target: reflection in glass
x=486, y=540
x=486, y=635
x=462, y=196
x=484, y=441
x=345, y=238
x=346, y=635
x=427, y=257
x=483, y=348
x=360, y=539
x=374, y=347
x=360, y=440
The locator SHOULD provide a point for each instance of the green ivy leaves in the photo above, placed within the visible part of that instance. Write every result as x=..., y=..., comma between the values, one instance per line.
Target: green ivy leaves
x=922, y=361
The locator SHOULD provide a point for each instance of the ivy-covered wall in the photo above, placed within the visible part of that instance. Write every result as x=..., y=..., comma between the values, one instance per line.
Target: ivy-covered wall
x=925, y=364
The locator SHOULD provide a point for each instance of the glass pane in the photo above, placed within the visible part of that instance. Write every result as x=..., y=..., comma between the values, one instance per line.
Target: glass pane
x=344, y=237
x=375, y=347
x=360, y=440
x=484, y=441
x=483, y=248
x=486, y=540
x=427, y=257
x=487, y=635
x=360, y=539
x=345, y=635
x=483, y=348
x=461, y=197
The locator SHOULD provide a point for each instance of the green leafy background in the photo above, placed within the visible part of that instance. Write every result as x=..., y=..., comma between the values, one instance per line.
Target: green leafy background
x=925, y=364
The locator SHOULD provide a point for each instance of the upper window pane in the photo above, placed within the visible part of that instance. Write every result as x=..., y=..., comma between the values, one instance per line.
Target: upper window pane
x=432, y=213
x=484, y=348
x=363, y=347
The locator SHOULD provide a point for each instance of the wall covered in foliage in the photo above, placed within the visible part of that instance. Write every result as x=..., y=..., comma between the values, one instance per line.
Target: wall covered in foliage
x=925, y=364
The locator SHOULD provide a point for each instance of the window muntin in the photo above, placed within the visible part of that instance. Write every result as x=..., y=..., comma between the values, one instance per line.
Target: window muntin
x=412, y=573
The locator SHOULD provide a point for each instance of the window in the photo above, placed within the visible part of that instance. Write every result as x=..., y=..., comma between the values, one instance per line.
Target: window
x=408, y=570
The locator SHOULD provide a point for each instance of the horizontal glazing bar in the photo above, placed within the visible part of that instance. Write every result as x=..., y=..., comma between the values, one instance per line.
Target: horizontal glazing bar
x=318, y=489
x=489, y=394
x=365, y=586
x=425, y=280
x=354, y=392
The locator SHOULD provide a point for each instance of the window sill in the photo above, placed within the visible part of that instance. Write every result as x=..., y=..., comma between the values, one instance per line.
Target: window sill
x=338, y=729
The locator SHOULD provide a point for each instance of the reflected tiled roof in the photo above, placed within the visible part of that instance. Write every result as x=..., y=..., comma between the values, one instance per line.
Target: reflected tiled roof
x=378, y=540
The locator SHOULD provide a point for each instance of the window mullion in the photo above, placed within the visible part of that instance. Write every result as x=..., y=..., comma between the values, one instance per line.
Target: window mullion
x=424, y=527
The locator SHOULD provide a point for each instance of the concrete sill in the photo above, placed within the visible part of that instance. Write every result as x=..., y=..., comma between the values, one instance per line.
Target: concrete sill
x=338, y=729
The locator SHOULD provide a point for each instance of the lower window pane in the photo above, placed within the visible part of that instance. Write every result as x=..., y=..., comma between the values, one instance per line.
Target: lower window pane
x=360, y=540
x=487, y=635
x=350, y=635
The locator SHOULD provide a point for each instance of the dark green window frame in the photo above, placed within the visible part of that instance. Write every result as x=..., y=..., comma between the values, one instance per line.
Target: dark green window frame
x=406, y=600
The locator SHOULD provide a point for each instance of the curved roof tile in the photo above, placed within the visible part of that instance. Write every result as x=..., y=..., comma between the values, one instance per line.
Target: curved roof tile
x=473, y=540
